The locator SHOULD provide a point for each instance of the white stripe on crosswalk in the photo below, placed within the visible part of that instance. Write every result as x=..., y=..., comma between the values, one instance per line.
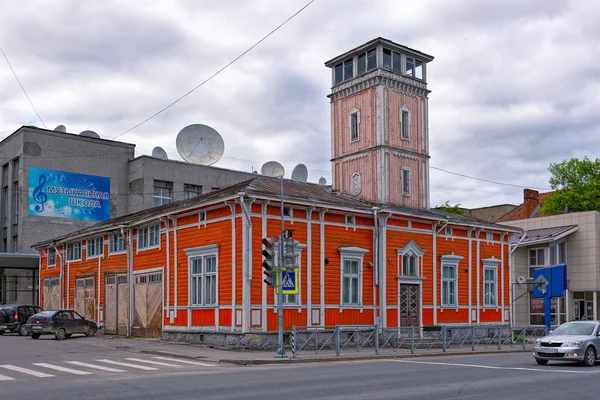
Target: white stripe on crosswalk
x=26, y=371
x=122, y=364
x=62, y=369
x=100, y=367
x=185, y=361
x=6, y=378
x=162, y=364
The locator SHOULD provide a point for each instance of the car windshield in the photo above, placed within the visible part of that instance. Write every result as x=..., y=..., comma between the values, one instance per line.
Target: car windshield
x=575, y=328
x=45, y=313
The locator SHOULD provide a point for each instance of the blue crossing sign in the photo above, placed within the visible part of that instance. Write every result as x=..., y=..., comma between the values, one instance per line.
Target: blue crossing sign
x=289, y=281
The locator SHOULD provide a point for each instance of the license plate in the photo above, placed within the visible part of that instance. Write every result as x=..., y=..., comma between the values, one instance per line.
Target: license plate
x=550, y=350
x=36, y=327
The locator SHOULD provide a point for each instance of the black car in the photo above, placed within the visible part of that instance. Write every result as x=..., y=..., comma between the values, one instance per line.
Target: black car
x=60, y=323
x=14, y=316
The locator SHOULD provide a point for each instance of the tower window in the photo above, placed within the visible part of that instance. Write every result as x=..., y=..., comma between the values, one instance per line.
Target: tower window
x=356, y=183
x=354, y=125
x=410, y=66
x=405, y=124
x=348, y=65
x=371, y=59
x=339, y=73
x=366, y=62
x=343, y=71
x=405, y=181
x=387, y=58
x=392, y=60
x=418, y=69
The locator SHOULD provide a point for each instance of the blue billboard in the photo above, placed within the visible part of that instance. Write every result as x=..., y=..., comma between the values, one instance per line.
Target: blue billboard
x=68, y=195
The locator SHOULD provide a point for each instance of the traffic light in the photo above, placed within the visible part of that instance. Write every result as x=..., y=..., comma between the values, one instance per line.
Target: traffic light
x=289, y=255
x=268, y=263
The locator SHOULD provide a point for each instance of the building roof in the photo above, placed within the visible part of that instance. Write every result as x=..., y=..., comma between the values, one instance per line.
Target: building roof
x=544, y=235
x=521, y=211
x=269, y=188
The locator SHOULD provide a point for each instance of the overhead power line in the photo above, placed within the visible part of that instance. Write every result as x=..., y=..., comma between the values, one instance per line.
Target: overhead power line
x=218, y=72
x=486, y=180
x=22, y=88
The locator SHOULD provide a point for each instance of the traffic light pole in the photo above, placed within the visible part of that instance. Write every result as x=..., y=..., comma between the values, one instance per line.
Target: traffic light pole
x=280, y=348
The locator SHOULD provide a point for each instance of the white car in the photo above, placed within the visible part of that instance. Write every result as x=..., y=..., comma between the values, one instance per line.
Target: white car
x=577, y=341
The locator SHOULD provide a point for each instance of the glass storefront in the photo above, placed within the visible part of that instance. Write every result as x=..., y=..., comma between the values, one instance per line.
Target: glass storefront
x=19, y=286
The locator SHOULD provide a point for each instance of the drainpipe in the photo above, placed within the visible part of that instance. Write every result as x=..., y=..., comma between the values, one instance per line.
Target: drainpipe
x=470, y=233
x=61, y=277
x=376, y=269
x=478, y=267
x=435, y=266
x=169, y=313
x=510, y=278
x=245, y=264
x=309, y=213
x=99, y=267
x=322, y=265
x=175, y=265
x=129, y=283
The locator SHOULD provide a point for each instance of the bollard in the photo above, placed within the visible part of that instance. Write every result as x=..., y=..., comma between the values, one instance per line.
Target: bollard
x=472, y=337
x=412, y=340
x=376, y=339
x=523, y=338
x=499, y=338
x=337, y=340
x=444, y=339
x=293, y=344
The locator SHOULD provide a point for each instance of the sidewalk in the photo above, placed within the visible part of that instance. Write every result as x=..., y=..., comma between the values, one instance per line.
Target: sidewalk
x=209, y=354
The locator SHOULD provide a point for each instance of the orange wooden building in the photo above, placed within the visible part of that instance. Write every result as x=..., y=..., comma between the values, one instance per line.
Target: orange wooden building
x=371, y=251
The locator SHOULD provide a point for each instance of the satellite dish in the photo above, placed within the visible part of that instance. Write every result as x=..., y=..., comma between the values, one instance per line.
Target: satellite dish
x=300, y=173
x=91, y=134
x=200, y=144
x=159, y=152
x=521, y=279
x=272, y=168
x=322, y=181
x=61, y=128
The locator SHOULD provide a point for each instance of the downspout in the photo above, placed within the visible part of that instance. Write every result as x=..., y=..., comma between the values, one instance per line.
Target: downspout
x=470, y=234
x=309, y=213
x=322, y=265
x=129, y=283
x=246, y=225
x=435, y=266
x=510, y=278
x=478, y=291
x=169, y=313
x=99, y=294
x=377, y=311
x=40, y=277
x=233, y=270
x=175, y=265
x=61, y=277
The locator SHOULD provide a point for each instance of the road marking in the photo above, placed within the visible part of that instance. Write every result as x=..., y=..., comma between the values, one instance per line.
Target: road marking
x=162, y=364
x=6, y=378
x=185, y=361
x=62, y=369
x=122, y=364
x=26, y=371
x=493, y=367
x=100, y=367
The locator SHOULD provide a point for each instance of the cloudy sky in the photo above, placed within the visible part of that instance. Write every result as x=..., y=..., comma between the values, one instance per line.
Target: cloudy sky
x=515, y=83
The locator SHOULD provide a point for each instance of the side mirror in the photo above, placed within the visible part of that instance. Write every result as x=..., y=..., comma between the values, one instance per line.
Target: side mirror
x=598, y=333
x=550, y=331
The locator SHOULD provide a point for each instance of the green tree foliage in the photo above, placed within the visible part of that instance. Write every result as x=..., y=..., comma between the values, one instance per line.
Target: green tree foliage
x=455, y=209
x=577, y=185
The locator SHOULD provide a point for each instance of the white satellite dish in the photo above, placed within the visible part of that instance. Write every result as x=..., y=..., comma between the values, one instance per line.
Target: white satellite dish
x=272, y=168
x=200, y=144
x=61, y=128
x=322, y=181
x=159, y=152
x=91, y=134
x=300, y=173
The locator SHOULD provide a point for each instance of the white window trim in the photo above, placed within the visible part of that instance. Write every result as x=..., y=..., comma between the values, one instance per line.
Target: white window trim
x=448, y=231
x=402, y=180
x=48, y=258
x=404, y=108
x=291, y=209
x=450, y=260
x=120, y=251
x=491, y=263
x=87, y=248
x=350, y=219
x=356, y=254
x=198, y=252
x=67, y=252
x=357, y=112
x=357, y=175
x=411, y=248
x=147, y=227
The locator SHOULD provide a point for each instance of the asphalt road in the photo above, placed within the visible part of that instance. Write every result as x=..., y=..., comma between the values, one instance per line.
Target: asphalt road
x=83, y=368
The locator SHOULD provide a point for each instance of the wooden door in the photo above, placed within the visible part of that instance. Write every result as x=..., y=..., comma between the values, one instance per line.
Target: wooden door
x=51, y=293
x=409, y=305
x=116, y=303
x=85, y=298
x=147, y=292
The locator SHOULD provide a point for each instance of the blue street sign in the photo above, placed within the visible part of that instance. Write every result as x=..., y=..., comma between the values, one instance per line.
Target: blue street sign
x=548, y=283
x=289, y=283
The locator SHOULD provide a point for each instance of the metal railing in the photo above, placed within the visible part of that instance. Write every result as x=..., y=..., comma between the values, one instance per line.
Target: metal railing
x=340, y=338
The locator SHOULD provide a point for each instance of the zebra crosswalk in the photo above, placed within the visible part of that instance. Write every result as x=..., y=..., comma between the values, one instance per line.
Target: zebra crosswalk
x=103, y=366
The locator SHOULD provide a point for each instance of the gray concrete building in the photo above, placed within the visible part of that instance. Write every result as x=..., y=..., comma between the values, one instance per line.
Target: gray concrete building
x=53, y=183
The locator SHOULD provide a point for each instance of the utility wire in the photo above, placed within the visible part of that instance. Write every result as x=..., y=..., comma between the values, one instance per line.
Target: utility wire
x=218, y=72
x=486, y=180
x=22, y=88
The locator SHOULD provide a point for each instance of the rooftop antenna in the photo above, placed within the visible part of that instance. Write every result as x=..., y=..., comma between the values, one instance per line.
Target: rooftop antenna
x=159, y=152
x=200, y=144
x=88, y=133
x=300, y=173
x=272, y=168
x=61, y=128
x=322, y=181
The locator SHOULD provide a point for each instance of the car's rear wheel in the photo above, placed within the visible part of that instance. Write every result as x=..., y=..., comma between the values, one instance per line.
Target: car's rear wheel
x=91, y=331
x=541, y=362
x=35, y=335
x=589, y=358
x=1, y=333
x=61, y=334
x=22, y=330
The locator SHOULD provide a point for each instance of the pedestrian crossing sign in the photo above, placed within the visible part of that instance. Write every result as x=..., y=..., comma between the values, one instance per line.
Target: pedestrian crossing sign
x=289, y=281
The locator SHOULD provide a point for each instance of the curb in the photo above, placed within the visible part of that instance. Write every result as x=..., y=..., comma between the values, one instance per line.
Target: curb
x=174, y=355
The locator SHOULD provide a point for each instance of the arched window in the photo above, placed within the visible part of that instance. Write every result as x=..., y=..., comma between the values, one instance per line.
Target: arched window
x=356, y=183
x=409, y=265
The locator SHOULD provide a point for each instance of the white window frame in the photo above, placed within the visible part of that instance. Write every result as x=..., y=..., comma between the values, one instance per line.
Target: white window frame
x=94, y=247
x=70, y=251
x=491, y=264
x=113, y=241
x=352, y=254
x=555, y=254
x=351, y=219
x=538, y=250
x=411, y=249
x=404, y=109
x=51, y=260
x=355, y=111
x=355, y=184
x=402, y=171
x=161, y=196
x=449, y=260
x=489, y=236
x=289, y=211
x=203, y=253
x=145, y=232
x=448, y=231
x=190, y=194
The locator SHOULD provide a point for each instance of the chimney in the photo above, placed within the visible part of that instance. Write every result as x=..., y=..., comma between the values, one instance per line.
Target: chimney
x=531, y=199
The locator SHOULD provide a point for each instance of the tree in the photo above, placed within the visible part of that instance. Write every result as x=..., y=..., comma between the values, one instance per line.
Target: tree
x=455, y=209
x=577, y=186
